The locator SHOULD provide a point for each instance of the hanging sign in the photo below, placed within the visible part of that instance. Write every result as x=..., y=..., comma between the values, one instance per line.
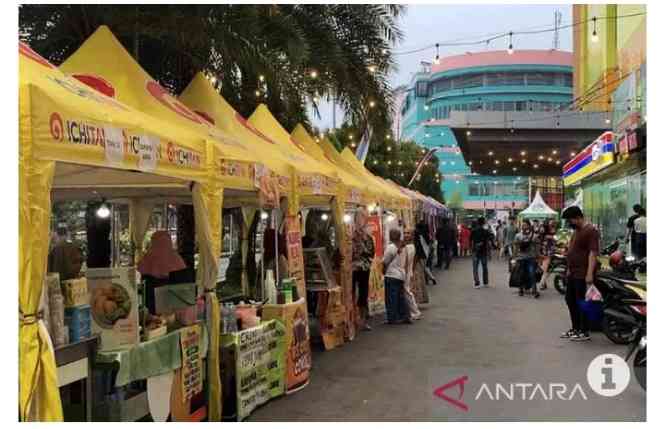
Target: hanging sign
x=148, y=153
x=595, y=157
x=192, y=376
x=114, y=147
x=295, y=255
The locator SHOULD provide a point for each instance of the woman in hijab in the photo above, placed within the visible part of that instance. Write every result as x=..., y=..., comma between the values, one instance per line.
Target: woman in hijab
x=410, y=280
x=159, y=265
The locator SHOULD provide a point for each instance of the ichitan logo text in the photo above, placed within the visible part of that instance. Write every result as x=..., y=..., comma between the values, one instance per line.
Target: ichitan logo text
x=180, y=156
x=55, y=125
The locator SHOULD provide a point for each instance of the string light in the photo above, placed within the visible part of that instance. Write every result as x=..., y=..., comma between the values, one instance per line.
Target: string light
x=372, y=69
x=594, y=35
x=514, y=168
x=313, y=74
x=437, y=59
x=468, y=133
x=554, y=152
x=261, y=78
x=523, y=153
x=493, y=171
x=376, y=162
x=257, y=93
x=535, y=165
x=426, y=107
x=510, y=160
x=523, y=161
x=389, y=149
x=510, y=45
x=490, y=153
x=372, y=104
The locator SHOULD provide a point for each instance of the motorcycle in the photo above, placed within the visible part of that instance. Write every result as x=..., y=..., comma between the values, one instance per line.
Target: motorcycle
x=557, y=268
x=637, y=318
x=615, y=290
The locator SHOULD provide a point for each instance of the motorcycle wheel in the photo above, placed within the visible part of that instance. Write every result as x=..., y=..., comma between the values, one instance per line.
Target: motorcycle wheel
x=560, y=284
x=640, y=367
x=617, y=331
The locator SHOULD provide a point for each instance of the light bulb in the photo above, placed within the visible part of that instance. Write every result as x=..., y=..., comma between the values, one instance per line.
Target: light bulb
x=103, y=211
x=347, y=218
x=468, y=133
x=264, y=215
x=510, y=49
x=324, y=216
x=372, y=104
x=390, y=218
x=261, y=78
x=594, y=37
x=437, y=60
x=313, y=74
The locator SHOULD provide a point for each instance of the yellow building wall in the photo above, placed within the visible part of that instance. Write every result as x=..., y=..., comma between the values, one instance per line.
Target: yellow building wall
x=621, y=47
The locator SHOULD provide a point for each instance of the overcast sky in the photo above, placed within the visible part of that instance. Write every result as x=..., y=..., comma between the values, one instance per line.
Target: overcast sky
x=425, y=25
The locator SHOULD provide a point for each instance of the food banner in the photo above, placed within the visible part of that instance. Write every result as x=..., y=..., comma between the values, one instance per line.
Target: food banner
x=192, y=365
x=376, y=297
x=260, y=361
x=295, y=255
x=298, y=352
x=374, y=223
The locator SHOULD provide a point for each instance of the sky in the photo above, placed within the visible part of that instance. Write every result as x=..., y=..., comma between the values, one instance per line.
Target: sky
x=425, y=25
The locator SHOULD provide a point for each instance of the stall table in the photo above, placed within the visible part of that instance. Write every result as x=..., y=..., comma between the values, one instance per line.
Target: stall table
x=74, y=362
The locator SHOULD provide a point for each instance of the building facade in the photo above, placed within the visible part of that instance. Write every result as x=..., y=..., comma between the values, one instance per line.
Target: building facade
x=481, y=88
x=610, y=77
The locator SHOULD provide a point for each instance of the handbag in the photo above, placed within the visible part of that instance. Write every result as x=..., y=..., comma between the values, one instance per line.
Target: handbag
x=517, y=275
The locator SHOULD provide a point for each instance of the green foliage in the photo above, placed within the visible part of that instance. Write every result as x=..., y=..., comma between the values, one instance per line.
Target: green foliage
x=393, y=160
x=347, y=46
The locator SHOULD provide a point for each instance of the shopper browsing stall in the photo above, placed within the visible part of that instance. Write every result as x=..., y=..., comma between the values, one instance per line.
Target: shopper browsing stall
x=363, y=254
x=411, y=278
x=527, y=242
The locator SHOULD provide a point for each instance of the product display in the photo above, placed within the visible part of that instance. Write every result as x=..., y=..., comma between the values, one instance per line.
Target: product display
x=114, y=306
x=78, y=320
x=56, y=310
x=75, y=292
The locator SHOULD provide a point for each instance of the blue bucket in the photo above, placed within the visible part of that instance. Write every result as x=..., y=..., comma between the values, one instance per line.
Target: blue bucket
x=593, y=310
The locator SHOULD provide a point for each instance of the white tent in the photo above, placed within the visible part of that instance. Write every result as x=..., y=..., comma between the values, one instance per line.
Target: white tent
x=538, y=209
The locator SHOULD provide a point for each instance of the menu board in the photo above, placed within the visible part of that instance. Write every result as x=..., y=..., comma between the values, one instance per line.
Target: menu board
x=260, y=365
x=192, y=377
x=295, y=256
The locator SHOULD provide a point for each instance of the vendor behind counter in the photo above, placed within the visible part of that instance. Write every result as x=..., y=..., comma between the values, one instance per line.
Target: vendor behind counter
x=162, y=265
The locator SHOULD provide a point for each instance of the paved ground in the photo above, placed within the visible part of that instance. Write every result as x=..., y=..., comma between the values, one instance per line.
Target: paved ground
x=489, y=335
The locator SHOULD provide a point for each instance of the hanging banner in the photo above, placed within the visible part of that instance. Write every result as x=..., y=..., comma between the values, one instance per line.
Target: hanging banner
x=595, y=157
x=269, y=192
x=192, y=365
x=376, y=297
x=298, y=352
x=259, y=365
x=374, y=223
x=295, y=256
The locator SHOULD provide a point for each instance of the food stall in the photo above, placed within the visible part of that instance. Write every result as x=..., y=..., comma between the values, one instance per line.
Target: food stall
x=77, y=143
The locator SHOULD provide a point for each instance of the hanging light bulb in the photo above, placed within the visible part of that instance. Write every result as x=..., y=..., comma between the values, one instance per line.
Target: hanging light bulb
x=510, y=43
x=523, y=153
x=257, y=93
x=468, y=133
x=437, y=60
x=261, y=78
x=347, y=218
x=490, y=153
x=372, y=69
x=594, y=35
x=103, y=212
x=324, y=216
x=372, y=104
x=264, y=215
x=313, y=74
x=426, y=107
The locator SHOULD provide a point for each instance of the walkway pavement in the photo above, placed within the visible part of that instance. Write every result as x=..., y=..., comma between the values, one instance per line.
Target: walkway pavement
x=491, y=336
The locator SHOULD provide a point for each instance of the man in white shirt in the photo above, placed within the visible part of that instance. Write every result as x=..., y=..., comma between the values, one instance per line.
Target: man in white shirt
x=394, y=263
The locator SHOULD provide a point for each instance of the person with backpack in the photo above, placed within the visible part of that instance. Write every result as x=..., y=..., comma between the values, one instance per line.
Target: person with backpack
x=481, y=242
x=528, y=243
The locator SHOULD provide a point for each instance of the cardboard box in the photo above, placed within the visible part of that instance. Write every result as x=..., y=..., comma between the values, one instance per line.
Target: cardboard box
x=114, y=306
x=75, y=292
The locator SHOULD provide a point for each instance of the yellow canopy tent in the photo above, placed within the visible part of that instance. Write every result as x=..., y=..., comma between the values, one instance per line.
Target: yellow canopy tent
x=103, y=63
x=73, y=137
x=316, y=181
x=356, y=191
x=202, y=98
x=394, y=198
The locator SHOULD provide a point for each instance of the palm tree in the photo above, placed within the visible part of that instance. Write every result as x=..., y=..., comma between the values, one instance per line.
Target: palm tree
x=287, y=56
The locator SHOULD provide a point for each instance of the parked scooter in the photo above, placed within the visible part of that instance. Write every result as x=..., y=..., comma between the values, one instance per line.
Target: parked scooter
x=557, y=268
x=636, y=316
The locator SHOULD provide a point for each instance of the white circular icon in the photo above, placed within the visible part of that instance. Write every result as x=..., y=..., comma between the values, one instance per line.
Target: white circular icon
x=608, y=375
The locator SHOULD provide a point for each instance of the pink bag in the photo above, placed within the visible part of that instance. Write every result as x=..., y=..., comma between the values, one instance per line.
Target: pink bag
x=593, y=294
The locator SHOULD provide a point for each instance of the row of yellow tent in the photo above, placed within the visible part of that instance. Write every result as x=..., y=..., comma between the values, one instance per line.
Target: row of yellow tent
x=128, y=125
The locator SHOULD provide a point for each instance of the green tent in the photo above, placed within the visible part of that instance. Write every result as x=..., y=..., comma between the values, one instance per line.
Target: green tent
x=538, y=209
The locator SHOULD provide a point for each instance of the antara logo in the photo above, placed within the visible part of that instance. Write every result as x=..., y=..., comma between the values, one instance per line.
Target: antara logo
x=530, y=392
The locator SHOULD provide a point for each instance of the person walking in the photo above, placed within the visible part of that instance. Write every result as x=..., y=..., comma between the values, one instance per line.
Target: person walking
x=509, y=237
x=363, y=255
x=393, y=262
x=630, y=228
x=640, y=235
x=447, y=239
x=424, y=250
x=410, y=279
x=500, y=236
x=481, y=242
x=464, y=240
x=528, y=247
x=547, y=249
x=582, y=263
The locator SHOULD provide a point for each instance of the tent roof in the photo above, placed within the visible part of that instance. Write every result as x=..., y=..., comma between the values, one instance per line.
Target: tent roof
x=538, y=208
x=69, y=122
x=301, y=136
x=266, y=123
x=389, y=191
x=202, y=98
x=104, y=64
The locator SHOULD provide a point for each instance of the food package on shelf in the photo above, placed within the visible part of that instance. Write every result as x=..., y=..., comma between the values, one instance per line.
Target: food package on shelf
x=114, y=306
x=75, y=292
x=78, y=319
x=56, y=304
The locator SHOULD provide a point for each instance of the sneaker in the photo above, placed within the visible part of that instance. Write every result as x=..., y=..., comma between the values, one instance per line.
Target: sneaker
x=580, y=336
x=367, y=327
x=407, y=321
x=568, y=335
x=477, y=286
x=543, y=286
x=536, y=295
